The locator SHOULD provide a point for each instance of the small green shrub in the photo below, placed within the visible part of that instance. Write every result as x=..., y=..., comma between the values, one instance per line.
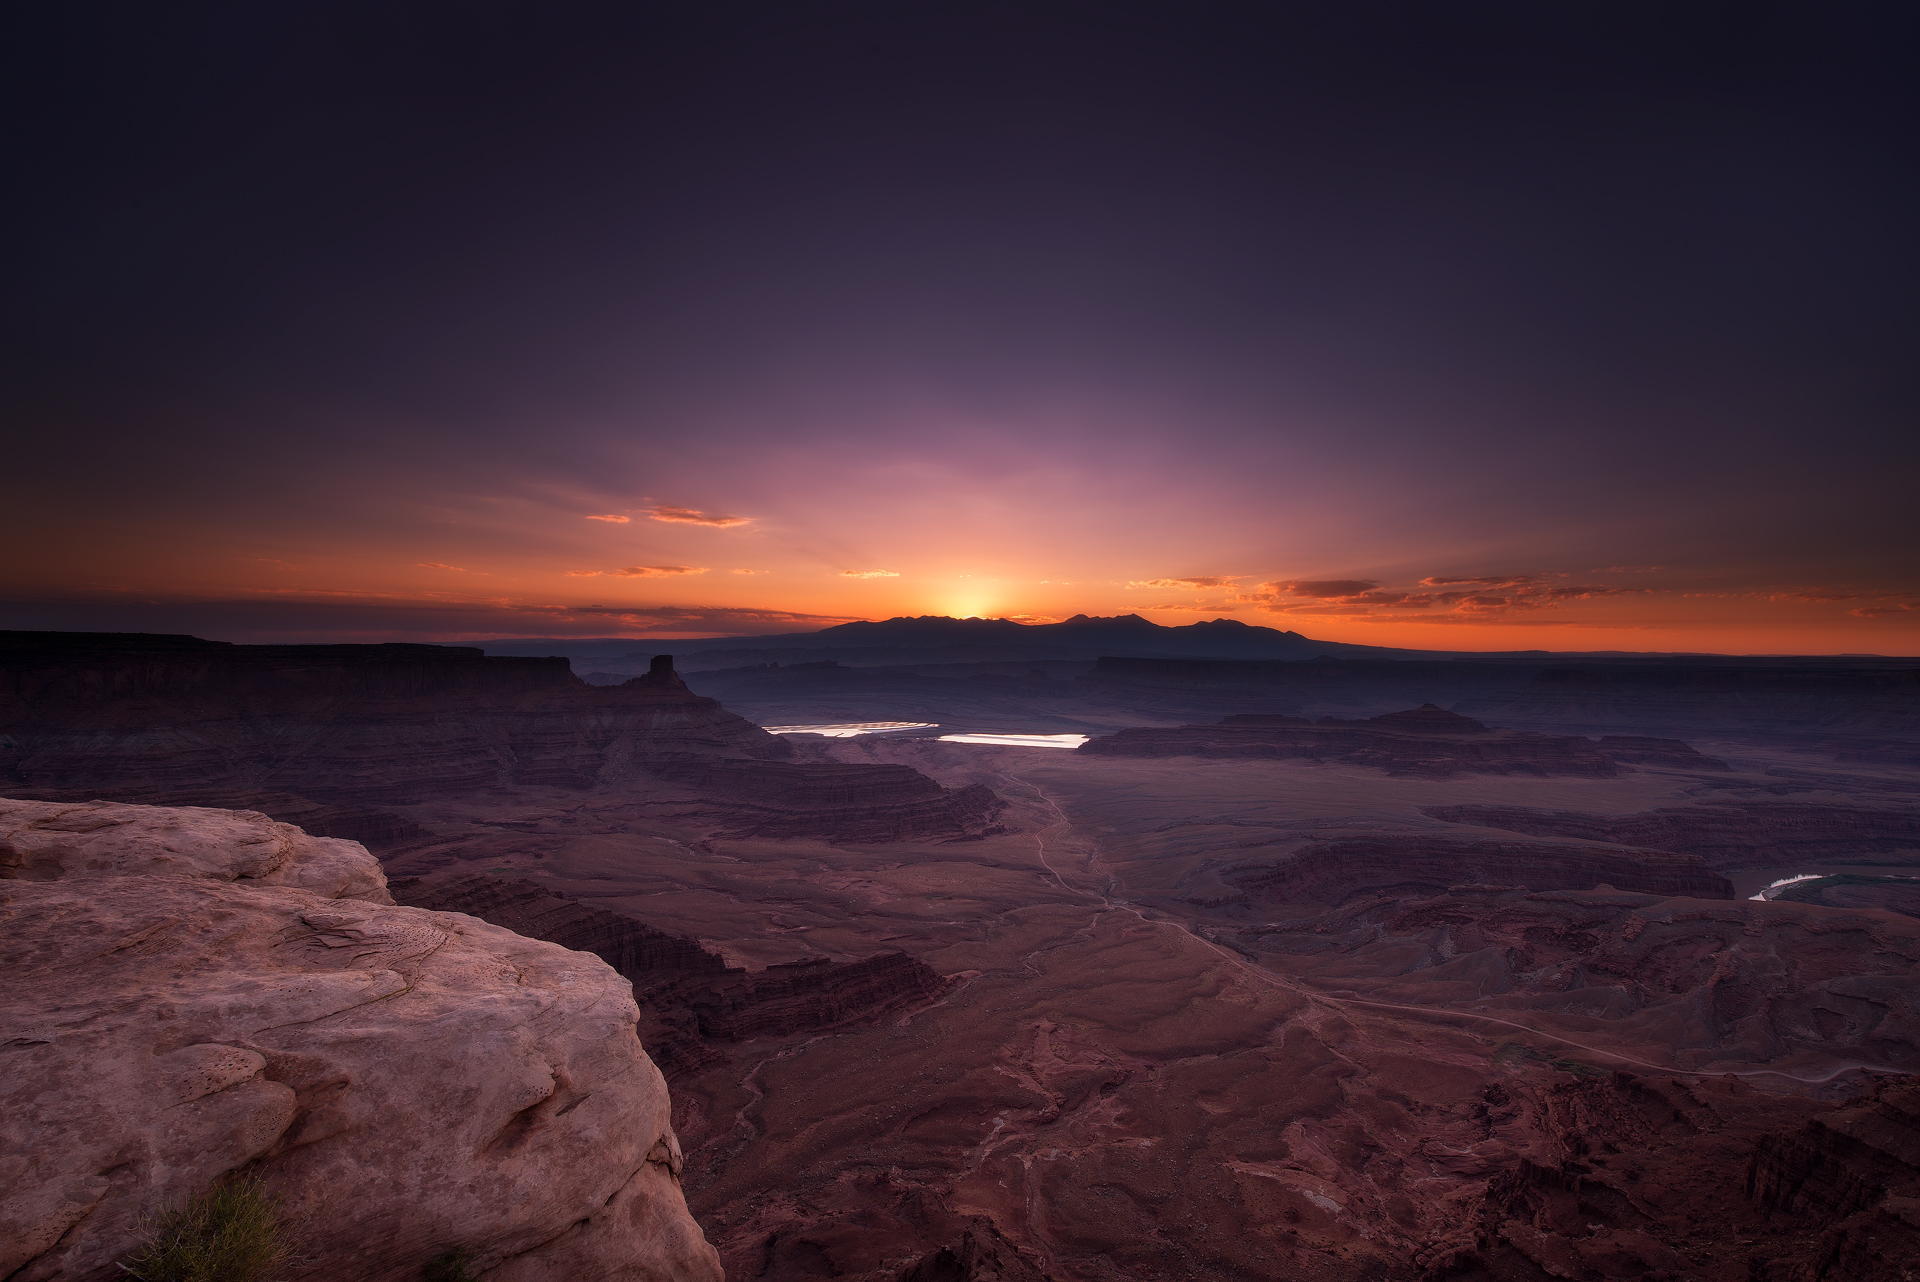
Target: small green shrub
x=450, y=1266
x=230, y=1233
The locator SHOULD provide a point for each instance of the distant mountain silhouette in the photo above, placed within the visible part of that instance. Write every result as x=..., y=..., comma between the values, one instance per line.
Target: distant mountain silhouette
x=935, y=638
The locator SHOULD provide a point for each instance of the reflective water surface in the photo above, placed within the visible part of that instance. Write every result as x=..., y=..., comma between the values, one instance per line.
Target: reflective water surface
x=850, y=729
x=1019, y=740
x=1780, y=883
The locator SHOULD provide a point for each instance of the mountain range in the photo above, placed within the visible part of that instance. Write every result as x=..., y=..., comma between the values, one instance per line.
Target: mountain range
x=941, y=639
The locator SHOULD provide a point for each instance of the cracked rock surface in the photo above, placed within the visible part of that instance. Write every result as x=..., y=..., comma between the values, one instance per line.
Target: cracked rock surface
x=195, y=992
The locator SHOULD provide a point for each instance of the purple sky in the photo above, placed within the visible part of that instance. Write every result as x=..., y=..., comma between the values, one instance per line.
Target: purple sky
x=337, y=321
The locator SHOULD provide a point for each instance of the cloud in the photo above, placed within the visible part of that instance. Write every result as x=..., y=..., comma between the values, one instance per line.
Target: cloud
x=1882, y=611
x=1831, y=594
x=693, y=516
x=1199, y=581
x=612, y=518
x=323, y=615
x=749, y=571
x=1324, y=587
x=639, y=572
x=441, y=565
x=1212, y=609
x=1484, y=581
x=1466, y=598
x=869, y=574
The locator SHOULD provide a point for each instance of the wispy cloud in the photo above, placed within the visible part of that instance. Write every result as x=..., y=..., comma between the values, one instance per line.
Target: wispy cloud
x=1436, y=598
x=442, y=565
x=869, y=574
x=1324, y=587
x=323, y=615
x=612, y=518
x=693, y=516
x=640, y=572
x=1482, y=581
x=1197, y=581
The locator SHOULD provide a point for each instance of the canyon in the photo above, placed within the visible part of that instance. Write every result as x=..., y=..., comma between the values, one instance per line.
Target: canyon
x=1426, y=740
x=974, y=1012
x=337, y=736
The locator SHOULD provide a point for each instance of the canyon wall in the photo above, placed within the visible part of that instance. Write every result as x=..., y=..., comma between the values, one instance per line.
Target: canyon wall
x=1425, y=741
x=691, y=1001
x=374, y=723
x=193, y=993
x=1852, y=1178
x=822, y=798
x=1748, y=834
x=1866, y=707
x=336, y=735
x=1333, y=871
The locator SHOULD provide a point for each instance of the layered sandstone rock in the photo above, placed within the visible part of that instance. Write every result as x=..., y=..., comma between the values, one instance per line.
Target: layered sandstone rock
x=51, y=841
x=377, y=723
x=1866, y=708
x=635, y=949
x=193, y=993
x=981, y=1254
x=334, y=735
x=1733, y=835
x=830, y=799
x=800, y=997
x=1336, y=870
x=691, y=1001
x=1698, y=983
x=1849, y=1180
x=1426, y=741
x=1645, y=750
x=1839, y=703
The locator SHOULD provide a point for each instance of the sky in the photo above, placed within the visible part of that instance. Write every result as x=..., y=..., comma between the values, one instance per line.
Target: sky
x=1467, y=325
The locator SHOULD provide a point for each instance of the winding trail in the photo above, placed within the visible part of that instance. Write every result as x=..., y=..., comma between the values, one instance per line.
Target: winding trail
x=1106, y=902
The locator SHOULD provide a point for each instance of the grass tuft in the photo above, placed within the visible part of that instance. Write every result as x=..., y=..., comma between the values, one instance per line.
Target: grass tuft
x=230, y=1233
x=450, y=1266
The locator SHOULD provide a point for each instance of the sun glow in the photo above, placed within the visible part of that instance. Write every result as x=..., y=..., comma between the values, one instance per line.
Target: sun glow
x=970, y=598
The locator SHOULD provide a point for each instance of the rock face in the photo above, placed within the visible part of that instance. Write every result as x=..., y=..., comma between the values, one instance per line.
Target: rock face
x=1866, y=707
x=1425, y=741
x=1870, y=705
x=1745, y=834
x=635, y=949
x=980, y=1255
x=331, y=734
x=1703, y=982
x=802, y=996
x=690, y=999
x=1333, y=871
x=373, y=723
x=51, y=841
x=830, y=799
x=1852, y=1178
x=192, y=993
x=1645, y=750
